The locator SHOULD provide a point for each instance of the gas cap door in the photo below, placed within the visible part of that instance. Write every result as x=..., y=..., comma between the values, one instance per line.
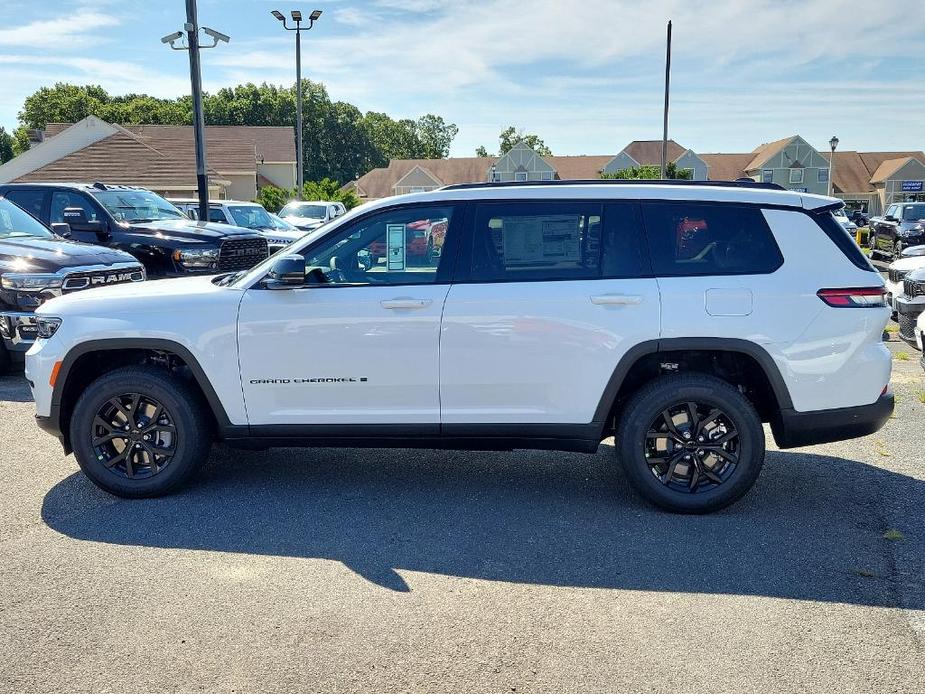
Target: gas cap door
x=728, y=301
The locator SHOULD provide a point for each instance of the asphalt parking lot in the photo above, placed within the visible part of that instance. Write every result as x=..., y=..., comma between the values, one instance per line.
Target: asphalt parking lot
x=382, y=571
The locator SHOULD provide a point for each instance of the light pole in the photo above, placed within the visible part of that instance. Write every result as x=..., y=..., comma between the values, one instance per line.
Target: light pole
x=833, y=143
x=199, y=129
x=298, y=29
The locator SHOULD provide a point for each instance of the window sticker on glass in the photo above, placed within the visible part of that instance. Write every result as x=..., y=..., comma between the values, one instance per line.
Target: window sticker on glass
x=395, y=234
x=541, y=239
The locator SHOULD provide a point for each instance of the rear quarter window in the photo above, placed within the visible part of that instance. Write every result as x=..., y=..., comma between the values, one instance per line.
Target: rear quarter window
x=692, y=239
x=841, y=238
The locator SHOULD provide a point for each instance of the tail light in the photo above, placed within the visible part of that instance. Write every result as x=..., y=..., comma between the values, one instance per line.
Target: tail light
x=854, y=297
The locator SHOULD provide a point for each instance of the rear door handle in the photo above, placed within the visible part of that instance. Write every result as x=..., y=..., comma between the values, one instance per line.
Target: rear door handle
x=616, y=299
x=405, y=303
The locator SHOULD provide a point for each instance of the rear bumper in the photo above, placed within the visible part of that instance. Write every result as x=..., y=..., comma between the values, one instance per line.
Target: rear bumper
x=793, y=428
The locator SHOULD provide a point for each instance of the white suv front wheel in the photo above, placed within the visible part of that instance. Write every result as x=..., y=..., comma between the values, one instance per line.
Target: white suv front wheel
x=690, y=443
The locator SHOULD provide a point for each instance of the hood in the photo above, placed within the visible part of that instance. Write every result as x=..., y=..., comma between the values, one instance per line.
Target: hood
x=131, y=295
x=908, y=264
x=33, y=254
x=918, y=275
x=288, y=234
x=189, y=230
x=304, y=221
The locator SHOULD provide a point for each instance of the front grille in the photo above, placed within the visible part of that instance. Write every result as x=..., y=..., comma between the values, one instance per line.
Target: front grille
x=897, y=275
x=241, y=254
x=911, y=288
x=76, y=281
x=907, y=326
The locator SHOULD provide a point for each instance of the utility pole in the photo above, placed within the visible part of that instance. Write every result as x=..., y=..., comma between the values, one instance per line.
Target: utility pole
x=195, y=74
x=665, y=119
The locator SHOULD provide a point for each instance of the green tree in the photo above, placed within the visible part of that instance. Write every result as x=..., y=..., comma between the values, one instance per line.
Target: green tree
x=339, y=142
x=435, y=136
x=6, y=146
x=327, y=189
x=510, y=136
x=650, y=172
x=21, y=140
x=273, y=198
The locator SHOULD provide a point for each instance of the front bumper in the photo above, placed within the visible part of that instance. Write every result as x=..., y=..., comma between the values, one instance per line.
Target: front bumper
x=17, y=330
x=907, y=313
x=792, y=428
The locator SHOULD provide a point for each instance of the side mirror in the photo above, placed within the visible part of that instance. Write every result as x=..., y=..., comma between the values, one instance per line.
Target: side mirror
x=76, y=218
x=286, y=272
x=890, y=218
x=62, y=229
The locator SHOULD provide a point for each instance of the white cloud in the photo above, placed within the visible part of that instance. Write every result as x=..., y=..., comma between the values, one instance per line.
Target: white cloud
x=65, y=31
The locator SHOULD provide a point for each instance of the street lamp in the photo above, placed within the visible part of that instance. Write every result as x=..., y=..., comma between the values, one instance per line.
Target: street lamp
x=199, y=129
x=298, y=29
x=833, y=143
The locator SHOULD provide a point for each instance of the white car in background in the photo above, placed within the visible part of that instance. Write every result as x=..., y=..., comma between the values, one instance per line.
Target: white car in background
x=897, y=271
x=308, y=215
x=250, y=215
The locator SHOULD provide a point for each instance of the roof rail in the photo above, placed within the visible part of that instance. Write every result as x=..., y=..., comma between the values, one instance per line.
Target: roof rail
x=617, y=181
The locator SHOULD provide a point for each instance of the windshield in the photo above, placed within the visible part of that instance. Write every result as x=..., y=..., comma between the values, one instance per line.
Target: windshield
x=297, y=209
x=282, y=224
x=15, y=222
x=913, y=213
x=250, y=216
x=136, y=205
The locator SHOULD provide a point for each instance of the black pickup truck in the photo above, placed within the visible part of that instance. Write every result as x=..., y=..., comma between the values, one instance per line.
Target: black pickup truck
x=903, y=226
x=141, y=223
x=37, y=264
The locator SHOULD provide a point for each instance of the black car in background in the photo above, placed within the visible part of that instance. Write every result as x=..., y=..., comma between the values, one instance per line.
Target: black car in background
x=142, y=223
x=37, y=265
x=902, y=226
x=859, y=217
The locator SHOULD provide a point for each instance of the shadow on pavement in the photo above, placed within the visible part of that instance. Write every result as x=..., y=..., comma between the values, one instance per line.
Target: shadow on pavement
x=14, y=388
x=810, y=530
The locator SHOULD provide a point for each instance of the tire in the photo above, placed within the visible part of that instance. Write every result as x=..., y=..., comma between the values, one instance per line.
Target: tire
x=898, y=250
x=872, y=243
x=5, y=360
x=179, y=437
x=671, y=490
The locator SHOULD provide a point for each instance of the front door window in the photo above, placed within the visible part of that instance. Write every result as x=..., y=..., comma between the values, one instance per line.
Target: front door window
x=397, y=247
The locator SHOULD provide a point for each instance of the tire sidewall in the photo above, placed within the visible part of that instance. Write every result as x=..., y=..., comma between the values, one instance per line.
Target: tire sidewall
x=648, y=408
x=179, y=405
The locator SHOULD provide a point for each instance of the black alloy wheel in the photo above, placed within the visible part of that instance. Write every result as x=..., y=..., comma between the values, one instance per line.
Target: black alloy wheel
x=692, y=447
x=140, y=431
x=134, y=436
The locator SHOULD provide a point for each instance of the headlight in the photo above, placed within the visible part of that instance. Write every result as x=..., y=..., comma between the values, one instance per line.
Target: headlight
x=197, y=257
x=46, y=327
x=30, y=282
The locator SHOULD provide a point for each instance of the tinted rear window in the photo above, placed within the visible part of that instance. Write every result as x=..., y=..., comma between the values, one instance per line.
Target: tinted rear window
x=690, y=239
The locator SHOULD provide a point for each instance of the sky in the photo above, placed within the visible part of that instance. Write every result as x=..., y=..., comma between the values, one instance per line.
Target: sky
x=586, y=76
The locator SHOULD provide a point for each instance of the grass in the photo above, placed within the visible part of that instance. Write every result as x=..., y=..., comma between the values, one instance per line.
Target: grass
x=902, y=356
x=892, y=328
x=893, y=535
x=881, y=449
x=921, y=396
x=865, y=251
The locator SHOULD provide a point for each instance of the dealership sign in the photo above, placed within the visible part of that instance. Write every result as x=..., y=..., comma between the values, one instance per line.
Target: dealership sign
x=912, y=186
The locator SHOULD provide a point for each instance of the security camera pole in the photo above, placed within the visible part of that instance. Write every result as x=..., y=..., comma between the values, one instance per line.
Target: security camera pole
x=298, y=29
x=199, y=130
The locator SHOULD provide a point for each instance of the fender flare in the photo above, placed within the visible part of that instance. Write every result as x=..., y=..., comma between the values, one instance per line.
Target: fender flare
x=117, y=344
x=680, y=344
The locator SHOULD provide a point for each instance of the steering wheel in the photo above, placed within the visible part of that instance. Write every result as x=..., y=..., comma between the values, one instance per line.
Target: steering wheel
x=335, y=276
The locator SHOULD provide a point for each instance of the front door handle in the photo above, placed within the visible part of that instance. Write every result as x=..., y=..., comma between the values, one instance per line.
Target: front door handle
x=405, y=303
x=616, y=299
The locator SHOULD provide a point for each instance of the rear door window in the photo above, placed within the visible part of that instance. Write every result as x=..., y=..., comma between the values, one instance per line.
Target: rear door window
x=691, y=239
x=31, y=200
x=528, y=241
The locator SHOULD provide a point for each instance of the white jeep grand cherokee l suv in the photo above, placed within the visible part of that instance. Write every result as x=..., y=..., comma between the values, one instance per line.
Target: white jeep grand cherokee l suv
x=676, y=317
